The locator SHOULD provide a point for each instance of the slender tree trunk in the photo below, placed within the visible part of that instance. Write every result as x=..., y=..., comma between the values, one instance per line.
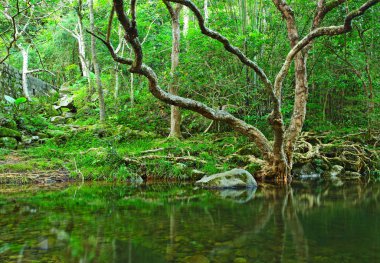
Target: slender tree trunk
x=205, y=9
x=96, y=65
x=25, y=63
x=132, y=91
x=175, y=116
x=82, y=43
x=186, y=19
x=120, y=47
x=117, y=82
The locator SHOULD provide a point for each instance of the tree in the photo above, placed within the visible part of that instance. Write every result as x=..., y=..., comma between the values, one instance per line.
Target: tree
x=175, y=116
x=78, y=34
x=279, y=155
x=22, y=36
x=102, y=108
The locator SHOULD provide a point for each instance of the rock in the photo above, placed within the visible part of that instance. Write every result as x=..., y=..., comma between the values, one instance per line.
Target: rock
x=197, y=259
x=197, y=174
x=335, y=170
x=68, y=115
x=136, y=180
x=58, y=120
x=5, y=132
x=235, y=178
x=66, y=102
x=180, y=166
x=8, y=143
x=351, y=175
x=54, y=133
x=42, y=135
x=8, y=123
x=306, y=171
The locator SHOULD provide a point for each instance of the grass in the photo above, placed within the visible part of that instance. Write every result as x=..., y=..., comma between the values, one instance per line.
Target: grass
x=98, y=153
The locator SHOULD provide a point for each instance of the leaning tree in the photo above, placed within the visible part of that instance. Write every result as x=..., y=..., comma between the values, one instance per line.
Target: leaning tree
x=279, y=154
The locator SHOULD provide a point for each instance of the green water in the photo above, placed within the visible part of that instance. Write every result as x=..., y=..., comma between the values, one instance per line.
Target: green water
x=177, y=223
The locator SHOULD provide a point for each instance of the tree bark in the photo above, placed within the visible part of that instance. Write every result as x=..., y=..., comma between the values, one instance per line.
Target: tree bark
x=24, y=74
x=175, y=114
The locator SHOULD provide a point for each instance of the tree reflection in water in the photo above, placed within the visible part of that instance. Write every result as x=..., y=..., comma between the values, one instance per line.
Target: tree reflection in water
x=161, y=223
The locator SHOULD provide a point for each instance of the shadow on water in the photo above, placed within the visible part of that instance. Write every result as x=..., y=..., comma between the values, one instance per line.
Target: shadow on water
x=179, y=223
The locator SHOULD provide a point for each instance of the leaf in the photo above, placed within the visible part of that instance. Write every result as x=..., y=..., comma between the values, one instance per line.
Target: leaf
x=9, y=99
x=20, y=100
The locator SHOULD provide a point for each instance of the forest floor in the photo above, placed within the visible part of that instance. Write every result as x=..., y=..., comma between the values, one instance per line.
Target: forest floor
x=119, y=153
x=17, y=168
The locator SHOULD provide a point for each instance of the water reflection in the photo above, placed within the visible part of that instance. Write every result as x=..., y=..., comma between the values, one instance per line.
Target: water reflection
x=171, y=223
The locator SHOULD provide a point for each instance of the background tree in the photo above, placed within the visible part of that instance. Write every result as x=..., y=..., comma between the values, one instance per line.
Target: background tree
x=175, y=116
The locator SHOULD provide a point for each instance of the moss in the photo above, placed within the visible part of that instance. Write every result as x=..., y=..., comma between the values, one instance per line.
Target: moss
x=24, y=166
x=6, y=132
x=8, y=143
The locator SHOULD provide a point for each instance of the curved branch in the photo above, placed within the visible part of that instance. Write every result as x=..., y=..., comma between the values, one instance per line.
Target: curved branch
x=131, y=31
x=227, y=45
x=322, y=10
x=219, y=115
x=322, y=31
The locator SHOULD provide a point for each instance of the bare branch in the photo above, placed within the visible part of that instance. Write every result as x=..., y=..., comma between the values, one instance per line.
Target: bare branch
x=71, y=32
x=147, y=33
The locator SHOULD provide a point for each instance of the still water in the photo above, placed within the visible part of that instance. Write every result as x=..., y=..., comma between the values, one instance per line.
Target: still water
x=178, y=223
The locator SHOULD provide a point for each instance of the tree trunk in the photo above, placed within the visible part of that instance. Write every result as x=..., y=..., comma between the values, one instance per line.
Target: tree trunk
x=175, y=116
x=25, y=62
x=82, y=48
x=205, y=9
x=186, y=19
x=96, y=65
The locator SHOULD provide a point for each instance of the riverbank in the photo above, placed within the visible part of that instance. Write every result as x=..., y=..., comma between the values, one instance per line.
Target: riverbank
x=119, y=153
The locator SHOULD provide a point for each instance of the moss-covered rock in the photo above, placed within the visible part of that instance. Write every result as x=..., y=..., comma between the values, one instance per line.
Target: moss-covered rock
x=8, y=143
x=8, y=123
x=235, y=178
x=6, y=132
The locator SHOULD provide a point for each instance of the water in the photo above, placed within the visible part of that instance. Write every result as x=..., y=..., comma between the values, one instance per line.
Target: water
x=177, y=223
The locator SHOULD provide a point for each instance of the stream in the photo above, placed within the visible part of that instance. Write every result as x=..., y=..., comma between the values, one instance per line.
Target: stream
x=167, y=222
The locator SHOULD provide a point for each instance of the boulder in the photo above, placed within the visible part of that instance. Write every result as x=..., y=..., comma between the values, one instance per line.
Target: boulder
x=66, y=101
x=235, y=178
